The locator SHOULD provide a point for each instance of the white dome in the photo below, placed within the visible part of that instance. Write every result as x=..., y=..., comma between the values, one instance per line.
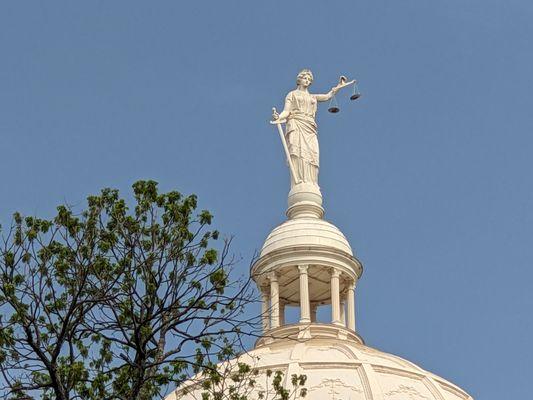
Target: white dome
x=347, y=370
x=306, y=232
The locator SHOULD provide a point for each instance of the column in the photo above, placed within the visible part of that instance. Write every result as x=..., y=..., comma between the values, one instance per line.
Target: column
x=350, y=299
x=314, y=308
x=274, y=301
x=343, y=309
x=335, y=297
x=305, y=315
x=265, y=308
x=281, y=313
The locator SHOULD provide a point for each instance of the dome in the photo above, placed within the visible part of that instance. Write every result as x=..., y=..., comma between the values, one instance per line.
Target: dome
x=346, y=370
x=306, y=232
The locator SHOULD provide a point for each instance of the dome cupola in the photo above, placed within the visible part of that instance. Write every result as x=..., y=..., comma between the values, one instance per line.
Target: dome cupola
x=306, y=262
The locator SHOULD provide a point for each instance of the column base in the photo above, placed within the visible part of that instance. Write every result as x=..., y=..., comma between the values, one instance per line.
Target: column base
x=304, y=332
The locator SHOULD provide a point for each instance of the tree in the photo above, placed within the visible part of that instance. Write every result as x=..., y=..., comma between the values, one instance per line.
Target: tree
x=116, y=303
x=238, y=380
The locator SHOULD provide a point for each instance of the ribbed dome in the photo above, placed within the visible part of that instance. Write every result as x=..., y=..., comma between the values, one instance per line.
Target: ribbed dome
x=346, y=370
x=307, y=232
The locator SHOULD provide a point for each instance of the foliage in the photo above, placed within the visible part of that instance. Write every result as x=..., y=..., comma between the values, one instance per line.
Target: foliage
x=113, y=302
x=238, y=380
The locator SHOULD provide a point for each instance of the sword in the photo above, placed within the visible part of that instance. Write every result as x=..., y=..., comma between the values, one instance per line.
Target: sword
x=284, y=143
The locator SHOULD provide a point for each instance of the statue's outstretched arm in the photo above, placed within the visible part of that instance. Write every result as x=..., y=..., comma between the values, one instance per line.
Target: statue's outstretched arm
x=325, y=97
x=343, y=82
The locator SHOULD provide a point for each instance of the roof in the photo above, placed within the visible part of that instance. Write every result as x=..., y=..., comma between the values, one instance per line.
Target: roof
x=310, y=232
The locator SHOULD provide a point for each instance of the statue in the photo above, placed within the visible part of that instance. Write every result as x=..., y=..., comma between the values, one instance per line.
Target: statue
x=300, y=138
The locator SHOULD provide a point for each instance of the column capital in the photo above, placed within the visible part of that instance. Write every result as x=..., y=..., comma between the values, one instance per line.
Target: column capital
x=303, y=268
x=334, y=272
x=273, y=276
x=352, y=283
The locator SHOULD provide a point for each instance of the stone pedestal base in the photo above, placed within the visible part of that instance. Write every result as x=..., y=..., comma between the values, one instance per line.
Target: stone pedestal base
x=305, y=200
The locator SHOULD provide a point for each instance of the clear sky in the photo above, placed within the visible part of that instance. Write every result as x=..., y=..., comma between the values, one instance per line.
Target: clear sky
x=429, y=174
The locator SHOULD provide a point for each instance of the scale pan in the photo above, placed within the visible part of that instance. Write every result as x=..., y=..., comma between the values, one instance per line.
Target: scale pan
x=355, y=96
x=334, y=109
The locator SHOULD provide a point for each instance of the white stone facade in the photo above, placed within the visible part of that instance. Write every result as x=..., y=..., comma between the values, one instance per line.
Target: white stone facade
x=339, y=366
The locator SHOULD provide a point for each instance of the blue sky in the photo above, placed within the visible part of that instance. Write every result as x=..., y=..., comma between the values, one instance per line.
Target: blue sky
x=428, y=174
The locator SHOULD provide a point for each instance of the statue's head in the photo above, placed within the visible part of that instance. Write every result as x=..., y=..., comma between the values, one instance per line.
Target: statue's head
x=304, y=78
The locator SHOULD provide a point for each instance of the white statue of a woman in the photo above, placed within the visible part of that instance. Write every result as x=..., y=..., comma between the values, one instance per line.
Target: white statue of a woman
x=301, y=131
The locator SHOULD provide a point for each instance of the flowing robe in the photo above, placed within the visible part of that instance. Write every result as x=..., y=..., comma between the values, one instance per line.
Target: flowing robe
x=301, y=135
